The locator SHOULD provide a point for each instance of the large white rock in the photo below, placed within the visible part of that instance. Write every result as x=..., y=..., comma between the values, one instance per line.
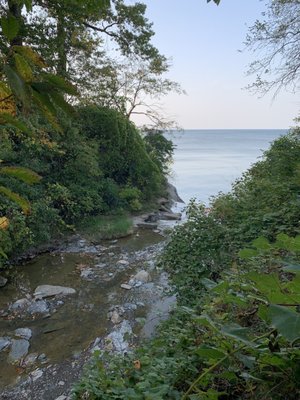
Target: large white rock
x=49, y=290
x=142, y=276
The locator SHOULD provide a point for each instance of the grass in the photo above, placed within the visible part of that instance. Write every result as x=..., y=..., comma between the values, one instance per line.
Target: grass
x=106, y=226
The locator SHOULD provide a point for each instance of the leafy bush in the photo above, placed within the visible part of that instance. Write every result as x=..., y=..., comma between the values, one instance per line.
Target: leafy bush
x=235, y=269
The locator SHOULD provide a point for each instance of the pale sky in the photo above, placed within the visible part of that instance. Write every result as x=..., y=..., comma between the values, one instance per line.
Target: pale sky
x=203, y=42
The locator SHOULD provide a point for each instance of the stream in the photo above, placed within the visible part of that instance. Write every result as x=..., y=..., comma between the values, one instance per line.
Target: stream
x=117, y=296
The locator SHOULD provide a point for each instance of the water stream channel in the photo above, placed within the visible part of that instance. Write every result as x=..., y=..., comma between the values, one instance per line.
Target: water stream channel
x=100, y=314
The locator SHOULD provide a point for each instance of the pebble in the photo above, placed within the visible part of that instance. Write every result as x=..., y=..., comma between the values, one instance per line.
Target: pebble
x=61, y=383
x=126, y=286
x=62, y=397
x=123, y=262
x=36, y=374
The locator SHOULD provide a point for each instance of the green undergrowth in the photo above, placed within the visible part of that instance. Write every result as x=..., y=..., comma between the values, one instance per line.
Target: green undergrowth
x=106, y=226
x=235, y=333
x=97, y=164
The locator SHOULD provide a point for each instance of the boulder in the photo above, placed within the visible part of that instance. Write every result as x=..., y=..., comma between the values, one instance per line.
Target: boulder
x=115, y=317
x=24, y=333
x=20, y=304
x=142, y=276
x=49, y=291
x=169, y=216
x=173, y=194
x=38, y=307
x=19, y=349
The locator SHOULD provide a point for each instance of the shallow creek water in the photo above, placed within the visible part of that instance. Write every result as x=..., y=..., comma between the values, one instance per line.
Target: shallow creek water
x=75, y=321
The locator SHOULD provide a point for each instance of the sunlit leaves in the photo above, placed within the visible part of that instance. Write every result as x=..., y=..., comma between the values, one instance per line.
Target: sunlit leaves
x=23, y=68
x=23, y=174
x=7, y=103
x=4, y=223
x=21, y=201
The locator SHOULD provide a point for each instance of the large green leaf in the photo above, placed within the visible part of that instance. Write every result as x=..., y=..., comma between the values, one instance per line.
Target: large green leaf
x=17, y=84
x=23, y=203
x=10, y=27
x=286, y=321
x=59, y=83
x=8, y=119
x=207, y=352
x=23, y=174
x=237, y=332
x=23, y=68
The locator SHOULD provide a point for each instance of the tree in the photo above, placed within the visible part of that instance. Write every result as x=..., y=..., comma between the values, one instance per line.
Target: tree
x=276, y=39
x=133, y=87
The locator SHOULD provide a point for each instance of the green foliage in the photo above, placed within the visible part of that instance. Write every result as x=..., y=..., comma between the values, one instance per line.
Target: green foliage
x=236, y=271
x=263, y=205
x=99, y=164
x=106, y=227
x=236, y=343
x=160, y=149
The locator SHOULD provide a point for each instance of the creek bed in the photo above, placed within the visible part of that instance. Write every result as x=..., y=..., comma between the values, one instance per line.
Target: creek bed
x=74, y=322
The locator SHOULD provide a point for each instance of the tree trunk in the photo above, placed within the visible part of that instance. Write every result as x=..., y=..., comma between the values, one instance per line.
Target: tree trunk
x=15, y=10
x=61, y=46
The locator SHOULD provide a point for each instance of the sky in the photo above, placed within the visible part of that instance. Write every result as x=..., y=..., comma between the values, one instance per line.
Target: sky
x=203, y=42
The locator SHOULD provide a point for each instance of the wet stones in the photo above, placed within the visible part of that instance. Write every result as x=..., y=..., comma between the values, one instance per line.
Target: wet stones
x=43, y=291
x=19, y=349
x=24, y=333
x=117, y=339
x=142, y=276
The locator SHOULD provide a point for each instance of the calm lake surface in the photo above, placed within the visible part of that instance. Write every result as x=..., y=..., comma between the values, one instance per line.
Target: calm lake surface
x=207, y=162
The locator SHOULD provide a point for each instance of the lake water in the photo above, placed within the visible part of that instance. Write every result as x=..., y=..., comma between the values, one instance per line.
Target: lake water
x=208, y=161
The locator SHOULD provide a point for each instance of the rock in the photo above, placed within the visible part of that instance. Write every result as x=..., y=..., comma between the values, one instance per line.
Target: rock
x=169, y=216
x=87, y=274
x=62, y=397
x=126, y=286
x=3, y=281
x=19, y=349
x=36, y=374
x=4, y=343
x=123, y=262
x=116, y=339
x=146, y=225
x=20, y=304
x=42, y=358
x=142, y=276
x=61, y=383
x=151, y=218
x=49, y=290
x=162, y=201
x=24, y=333
x=173, y=194
x=38, y=307
x=164, y=208
x=115, y=317
x=30, y=359
x=130, y=306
